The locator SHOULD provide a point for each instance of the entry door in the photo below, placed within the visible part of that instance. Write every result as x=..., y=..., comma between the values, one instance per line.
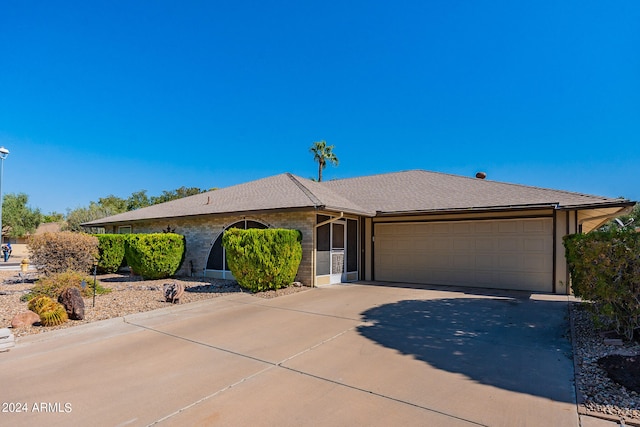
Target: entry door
x=338, y=238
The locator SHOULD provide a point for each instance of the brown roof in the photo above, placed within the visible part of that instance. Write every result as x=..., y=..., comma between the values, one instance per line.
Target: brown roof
x=424, y=191
x=285, y=191
x=401, y=192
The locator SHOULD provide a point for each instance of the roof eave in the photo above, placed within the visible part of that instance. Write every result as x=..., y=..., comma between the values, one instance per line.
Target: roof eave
x=473, y=209
x=599, y=205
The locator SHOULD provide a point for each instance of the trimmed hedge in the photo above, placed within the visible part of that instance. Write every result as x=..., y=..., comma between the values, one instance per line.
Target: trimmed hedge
x=605, y=269
x=156, y=255
x=111, y=248
x=265, y=259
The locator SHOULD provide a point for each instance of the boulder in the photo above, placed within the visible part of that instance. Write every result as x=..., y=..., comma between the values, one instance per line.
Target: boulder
x=73, y=303
x=26, y=318
x=173, y=292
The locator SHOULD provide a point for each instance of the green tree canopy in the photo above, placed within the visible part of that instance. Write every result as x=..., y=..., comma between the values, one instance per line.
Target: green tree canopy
x=113, y=204
x=138, y=200
x=18, y=219
x=323, y=153
x=179, y=193
x=53, y=217
x=82, y=215
x=631, y=220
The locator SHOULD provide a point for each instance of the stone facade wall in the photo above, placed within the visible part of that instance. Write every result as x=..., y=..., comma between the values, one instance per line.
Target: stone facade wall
x=201, y=233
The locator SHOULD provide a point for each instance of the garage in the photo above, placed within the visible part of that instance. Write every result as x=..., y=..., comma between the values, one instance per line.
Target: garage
x=505, y=253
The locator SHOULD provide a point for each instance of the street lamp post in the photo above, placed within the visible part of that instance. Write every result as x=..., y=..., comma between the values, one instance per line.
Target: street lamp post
x=3, y=155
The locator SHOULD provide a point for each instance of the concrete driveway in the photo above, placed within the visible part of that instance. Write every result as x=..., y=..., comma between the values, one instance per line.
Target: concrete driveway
x=353, y=355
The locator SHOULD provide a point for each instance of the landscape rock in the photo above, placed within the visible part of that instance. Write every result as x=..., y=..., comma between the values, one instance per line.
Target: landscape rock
x=173, y=292
x=24, y=319
x=73, y=303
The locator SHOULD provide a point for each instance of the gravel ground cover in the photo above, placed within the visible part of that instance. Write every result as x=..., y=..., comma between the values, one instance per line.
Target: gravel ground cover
x=129, y=294
x=597, y=393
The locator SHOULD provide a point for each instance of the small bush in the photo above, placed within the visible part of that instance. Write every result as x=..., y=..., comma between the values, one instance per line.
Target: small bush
x=605, y=269
x=58, y=252
x=155, y=256
x=265, y=259
x=111, y=249
x=51, y=286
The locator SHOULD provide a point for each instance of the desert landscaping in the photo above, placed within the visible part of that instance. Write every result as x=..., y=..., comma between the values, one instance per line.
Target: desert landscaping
x=597, y=393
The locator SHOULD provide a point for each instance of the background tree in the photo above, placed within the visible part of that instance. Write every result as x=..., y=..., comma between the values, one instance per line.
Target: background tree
x=179, y=193
x=631, y=220
x=138, y=200
x=18, y=219
x=81, y=215
x=323, y=153
x=113, y=204
x=53, y=217
x=635, y=215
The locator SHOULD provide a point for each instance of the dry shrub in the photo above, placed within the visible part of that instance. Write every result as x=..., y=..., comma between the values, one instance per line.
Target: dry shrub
x=53, y=285
x=59, y=252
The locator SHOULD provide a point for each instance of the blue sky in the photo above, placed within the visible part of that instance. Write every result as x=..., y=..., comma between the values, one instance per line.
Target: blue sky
x=100, y=98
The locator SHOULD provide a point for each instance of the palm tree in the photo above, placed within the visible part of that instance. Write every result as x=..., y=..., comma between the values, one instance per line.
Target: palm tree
x=323, y=153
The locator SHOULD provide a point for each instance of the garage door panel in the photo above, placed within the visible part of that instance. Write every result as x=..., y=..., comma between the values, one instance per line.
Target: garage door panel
x=509, y=244
x=484, y=244
x=510, y=254
x=536, y=245
x=508, y=227
x=483, y=227
x=462, y=244
x=482, y=262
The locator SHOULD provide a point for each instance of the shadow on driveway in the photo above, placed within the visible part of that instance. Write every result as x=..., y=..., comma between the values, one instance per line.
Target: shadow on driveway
x=516, y=344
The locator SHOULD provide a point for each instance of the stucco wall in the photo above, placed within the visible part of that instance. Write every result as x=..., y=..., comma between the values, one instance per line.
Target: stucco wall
x=201, y=232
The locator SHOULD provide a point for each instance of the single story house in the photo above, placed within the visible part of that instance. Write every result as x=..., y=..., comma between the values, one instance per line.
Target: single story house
x=413, y=226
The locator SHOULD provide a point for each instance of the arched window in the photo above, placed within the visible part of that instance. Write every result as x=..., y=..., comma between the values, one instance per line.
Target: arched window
x=217, y=257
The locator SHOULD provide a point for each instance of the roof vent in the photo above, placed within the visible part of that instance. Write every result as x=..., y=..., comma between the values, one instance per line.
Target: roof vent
x=481, y=175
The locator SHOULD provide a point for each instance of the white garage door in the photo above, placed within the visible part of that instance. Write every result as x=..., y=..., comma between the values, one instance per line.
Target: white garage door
x=506, y=254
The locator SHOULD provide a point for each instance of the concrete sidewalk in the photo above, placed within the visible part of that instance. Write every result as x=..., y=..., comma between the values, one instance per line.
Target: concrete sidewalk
x=339, y=355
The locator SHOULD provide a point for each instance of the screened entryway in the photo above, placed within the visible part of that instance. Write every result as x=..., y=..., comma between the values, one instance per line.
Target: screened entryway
x=336, y=250
x=217, y=261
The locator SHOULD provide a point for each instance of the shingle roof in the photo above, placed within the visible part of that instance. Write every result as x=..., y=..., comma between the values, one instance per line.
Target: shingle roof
x=284, y=191
x=424, y=191
x=399, y=192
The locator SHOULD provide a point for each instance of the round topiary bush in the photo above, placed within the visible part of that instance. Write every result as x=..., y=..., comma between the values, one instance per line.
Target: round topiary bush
x=155, y=256
x=262, y=260
x=111, y=248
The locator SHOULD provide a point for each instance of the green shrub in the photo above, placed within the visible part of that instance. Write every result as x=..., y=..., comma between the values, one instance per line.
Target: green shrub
x=53, y=285
x=111, y=249
x=154, y=256
x=605, y=269
x=265, y=259
x=58, y=252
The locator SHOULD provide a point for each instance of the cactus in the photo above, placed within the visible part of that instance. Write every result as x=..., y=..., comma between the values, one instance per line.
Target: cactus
x=38, y=303
x=53, y=314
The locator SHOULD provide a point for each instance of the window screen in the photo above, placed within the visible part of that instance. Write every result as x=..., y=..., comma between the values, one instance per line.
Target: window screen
x=352, y=245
